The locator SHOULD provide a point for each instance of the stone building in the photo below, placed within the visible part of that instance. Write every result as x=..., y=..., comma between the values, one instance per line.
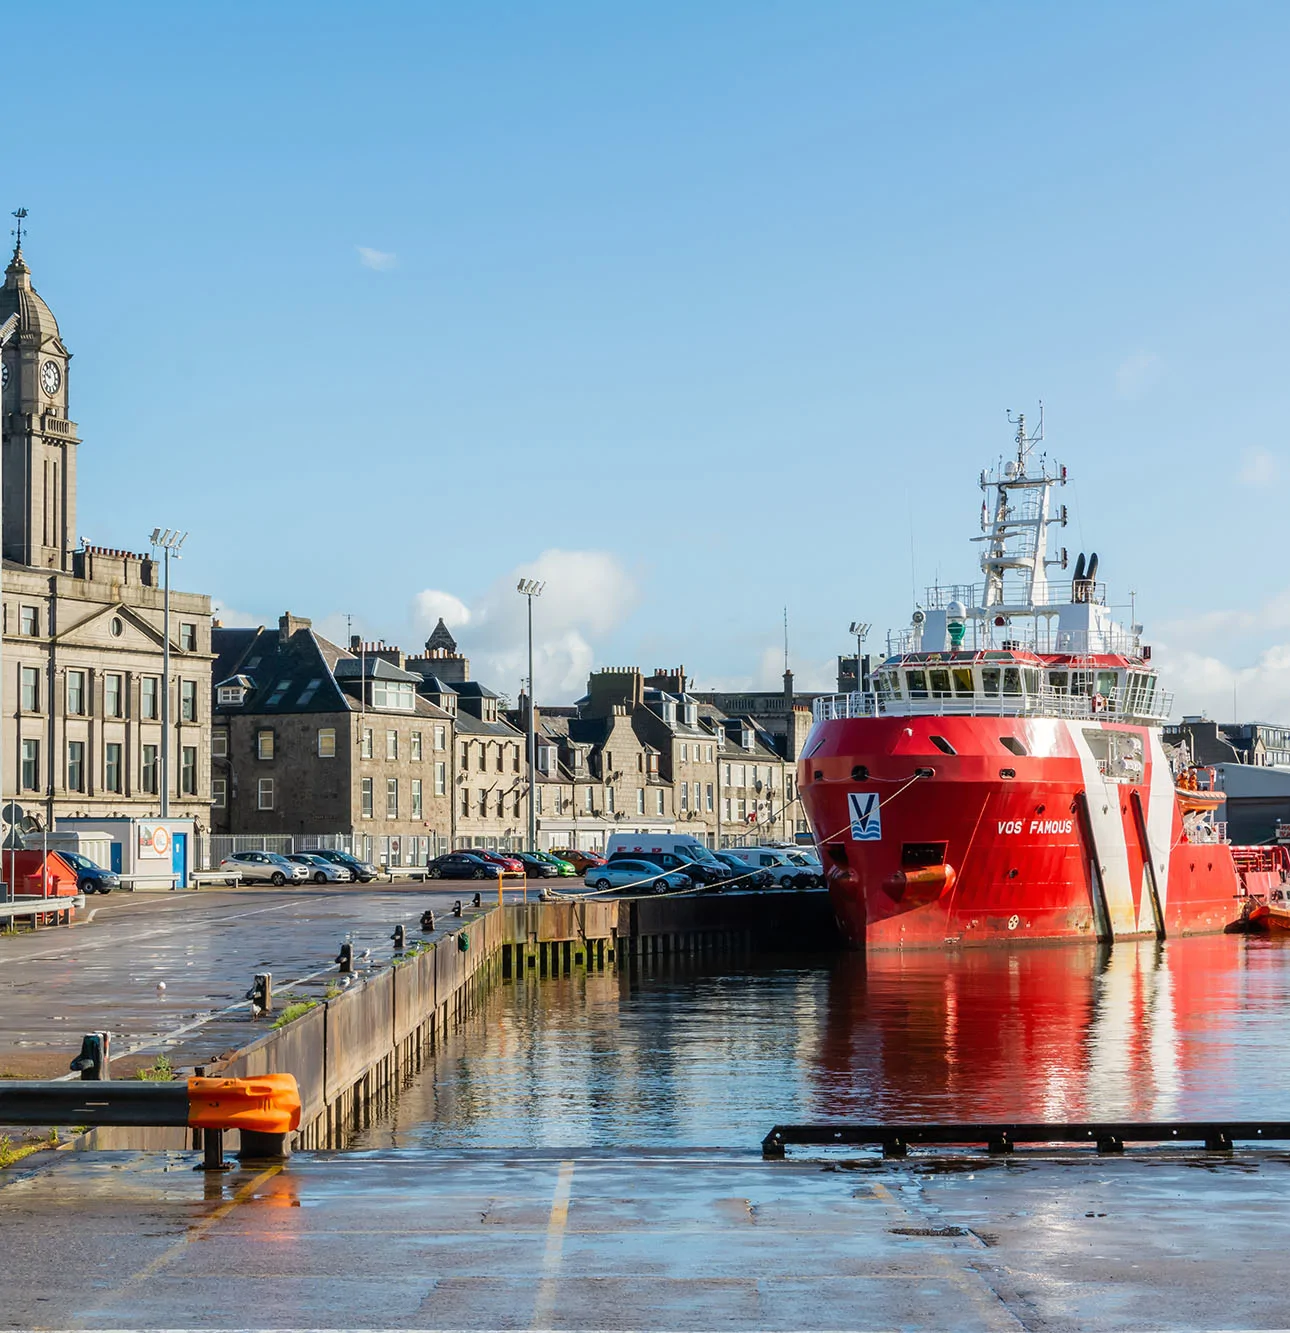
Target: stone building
x=312, y=740
x=83, y=625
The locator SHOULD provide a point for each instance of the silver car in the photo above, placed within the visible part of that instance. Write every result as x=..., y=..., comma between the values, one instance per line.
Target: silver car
x=321, y=871
x=265, y=868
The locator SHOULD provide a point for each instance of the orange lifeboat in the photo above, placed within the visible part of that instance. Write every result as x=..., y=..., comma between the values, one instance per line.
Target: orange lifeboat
x=1198, y=789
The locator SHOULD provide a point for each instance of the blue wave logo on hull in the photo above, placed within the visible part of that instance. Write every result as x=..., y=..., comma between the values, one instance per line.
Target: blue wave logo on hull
x=866, y=819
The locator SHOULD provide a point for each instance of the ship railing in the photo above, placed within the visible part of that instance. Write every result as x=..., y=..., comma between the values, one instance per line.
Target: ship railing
x=1017, y=590
x=1036, y=703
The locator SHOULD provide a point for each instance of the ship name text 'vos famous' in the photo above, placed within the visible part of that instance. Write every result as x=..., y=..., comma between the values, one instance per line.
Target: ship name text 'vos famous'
x=1004, y=777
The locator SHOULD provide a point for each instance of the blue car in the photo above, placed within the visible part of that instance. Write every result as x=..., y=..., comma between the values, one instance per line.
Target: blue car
x=90, y=877
x=639, y=875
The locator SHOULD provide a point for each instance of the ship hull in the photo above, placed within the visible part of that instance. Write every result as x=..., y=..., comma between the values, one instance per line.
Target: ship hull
x=971, y=830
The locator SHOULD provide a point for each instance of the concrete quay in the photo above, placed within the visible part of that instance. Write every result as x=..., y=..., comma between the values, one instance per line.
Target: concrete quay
x=674, y=1240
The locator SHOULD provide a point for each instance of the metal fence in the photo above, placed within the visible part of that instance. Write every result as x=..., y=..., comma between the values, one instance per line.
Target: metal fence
x=212, y=848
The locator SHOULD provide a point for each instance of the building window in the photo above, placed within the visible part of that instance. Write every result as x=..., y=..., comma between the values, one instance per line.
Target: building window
x=515, y=806
x=587, y=801
x=219, y=793
x=326, y=742
x=148, y=696
x=440, y=778
x=391, y=744
x=31, y=765
x=640, y=800
x=416, y=747
x=188, y=701
x=685, y=752
x=441, y=738
x=111, y=695
x=264, y=744
x=188, y=770
x=537, y=800
x=31, y=689
x=501, y=805
x=660, y=802
x=265, y=794
x=391, y=798
x=685, y=796
x=117, y=627
x=501, y=759
x=416, y=798
x=219, y=744
x=367, y=798
x=483, y=803
x=465, y=758
x=515, y=758
x=76, y=692
x=707, y=798
x=394, y=694
x=75, y=765
x=465, y=802
x=187, y=636
x=148, y=770
x=29, y=620
x=609, y=800
x=112, y=766
x=726, y=803
x=366, y=750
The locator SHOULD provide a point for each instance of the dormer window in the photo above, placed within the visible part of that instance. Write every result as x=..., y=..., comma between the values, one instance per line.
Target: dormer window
x=691, y=715
x=232, y=694
x=545, y=758
x=396, y=694
x=746, y=739
x=668, y=710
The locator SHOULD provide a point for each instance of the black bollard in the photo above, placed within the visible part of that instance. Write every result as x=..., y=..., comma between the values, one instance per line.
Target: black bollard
x=346, y=957
x=95, y=1057
x=261, y=994
x=427, y=921
x=456, y=908
x=477, y=900
x=400, y=937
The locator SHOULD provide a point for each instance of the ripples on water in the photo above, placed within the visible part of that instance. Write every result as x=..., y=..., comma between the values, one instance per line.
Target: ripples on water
x=705, y=1054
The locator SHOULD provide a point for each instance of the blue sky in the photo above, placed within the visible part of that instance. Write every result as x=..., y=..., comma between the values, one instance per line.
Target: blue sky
x=700, y=311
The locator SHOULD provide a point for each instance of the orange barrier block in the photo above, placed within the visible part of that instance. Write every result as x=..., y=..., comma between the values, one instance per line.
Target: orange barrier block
x=269, y=1104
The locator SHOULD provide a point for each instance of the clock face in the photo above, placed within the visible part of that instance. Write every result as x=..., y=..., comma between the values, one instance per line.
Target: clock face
x=50, y=377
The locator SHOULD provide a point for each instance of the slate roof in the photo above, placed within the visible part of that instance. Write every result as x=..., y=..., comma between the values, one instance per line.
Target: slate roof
x=441, y=639
x=303, y=675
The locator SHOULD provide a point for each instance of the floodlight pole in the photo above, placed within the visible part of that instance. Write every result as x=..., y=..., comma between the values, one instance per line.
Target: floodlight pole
x=861, y=630
x=170, y=540
x=532, y=588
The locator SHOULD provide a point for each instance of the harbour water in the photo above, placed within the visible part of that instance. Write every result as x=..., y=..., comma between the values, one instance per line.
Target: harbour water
x=685, y=1053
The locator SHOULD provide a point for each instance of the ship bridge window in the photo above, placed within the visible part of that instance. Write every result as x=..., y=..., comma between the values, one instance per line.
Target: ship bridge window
x=1059, y=680
x=942, y=744
x=963, y=684
x=990, y=679
x=1081, y=682
x=918, y=685
x=1107, y=682
x=1013, y=744
x=1012, y=680
x=940, y=682
x=1031, y=677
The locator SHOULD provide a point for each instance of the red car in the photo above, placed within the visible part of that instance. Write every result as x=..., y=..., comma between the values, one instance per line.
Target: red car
x=500, y=860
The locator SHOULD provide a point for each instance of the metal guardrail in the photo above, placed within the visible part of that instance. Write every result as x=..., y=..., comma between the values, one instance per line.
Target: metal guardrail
x=1040, y=703
x=34, y=905
x=1108, y=1137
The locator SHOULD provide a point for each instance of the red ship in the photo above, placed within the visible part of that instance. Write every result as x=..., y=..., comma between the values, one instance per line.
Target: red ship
x=1005, y=777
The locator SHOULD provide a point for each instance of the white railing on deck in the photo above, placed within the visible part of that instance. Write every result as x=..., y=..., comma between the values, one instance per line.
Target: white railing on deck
x=1041, y=703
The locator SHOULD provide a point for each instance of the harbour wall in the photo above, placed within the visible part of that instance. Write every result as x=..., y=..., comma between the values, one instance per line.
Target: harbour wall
x=352, y=1052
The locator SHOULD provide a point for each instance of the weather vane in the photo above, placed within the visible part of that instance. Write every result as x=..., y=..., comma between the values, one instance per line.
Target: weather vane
x=19, y=213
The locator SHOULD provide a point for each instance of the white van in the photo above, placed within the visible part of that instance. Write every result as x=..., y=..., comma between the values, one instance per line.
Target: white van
x=684, y=845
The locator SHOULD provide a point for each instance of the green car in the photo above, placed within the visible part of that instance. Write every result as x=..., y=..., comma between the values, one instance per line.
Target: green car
x=564, y=868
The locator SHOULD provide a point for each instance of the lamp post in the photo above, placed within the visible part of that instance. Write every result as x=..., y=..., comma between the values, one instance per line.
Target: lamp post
x=531, y=588
x=170, y=540
x=7, y=330
x=861, y=630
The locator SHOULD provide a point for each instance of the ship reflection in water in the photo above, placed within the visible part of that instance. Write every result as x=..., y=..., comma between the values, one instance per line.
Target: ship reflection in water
x=713, y=1055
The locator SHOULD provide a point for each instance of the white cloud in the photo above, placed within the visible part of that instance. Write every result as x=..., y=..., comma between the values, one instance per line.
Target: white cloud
x=1137, y=374
x=381, y=260
x=586, y=593
x=1204, y=684
x=233, y=619
x=1258, y=468
x=769, y=674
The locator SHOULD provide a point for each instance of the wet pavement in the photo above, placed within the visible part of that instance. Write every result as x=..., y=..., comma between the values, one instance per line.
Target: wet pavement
x=167, y=974
x=680, y=1240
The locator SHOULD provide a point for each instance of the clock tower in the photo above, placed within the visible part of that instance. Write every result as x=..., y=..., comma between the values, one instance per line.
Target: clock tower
x=40, y=440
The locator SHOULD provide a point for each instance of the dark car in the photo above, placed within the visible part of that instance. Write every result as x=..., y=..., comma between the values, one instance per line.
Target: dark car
x=746, y=877
x=698, y=871
x=535, y=867
x=90, y=877
x=460, y=865
x=363, y=871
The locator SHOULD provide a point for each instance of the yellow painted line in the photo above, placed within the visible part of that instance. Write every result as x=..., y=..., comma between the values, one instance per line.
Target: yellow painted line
x=557, y=1224
x=195, y=1232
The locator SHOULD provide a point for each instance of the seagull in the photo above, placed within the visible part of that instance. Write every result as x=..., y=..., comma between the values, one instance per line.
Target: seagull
x=367, y=953
x=161, y=989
